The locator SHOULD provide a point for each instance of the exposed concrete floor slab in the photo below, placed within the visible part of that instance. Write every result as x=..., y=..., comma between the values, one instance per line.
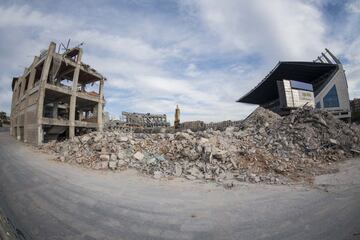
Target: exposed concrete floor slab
x=51, y=200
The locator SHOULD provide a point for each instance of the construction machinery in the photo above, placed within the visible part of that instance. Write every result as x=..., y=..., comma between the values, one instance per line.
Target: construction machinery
x=177, y=117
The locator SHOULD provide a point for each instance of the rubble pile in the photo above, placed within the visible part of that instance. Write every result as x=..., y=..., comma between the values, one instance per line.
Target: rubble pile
x=304, y=143
x=264, y=148
x=260, y=117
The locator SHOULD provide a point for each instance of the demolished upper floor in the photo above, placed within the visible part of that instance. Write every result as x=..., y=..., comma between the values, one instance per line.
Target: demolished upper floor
x=60, y=74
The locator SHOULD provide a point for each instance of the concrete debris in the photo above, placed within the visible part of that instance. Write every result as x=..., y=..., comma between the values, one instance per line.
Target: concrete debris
x=263, y=148
x=138, y=156
x=104, y=157
x=112, y=165
x=261, y=117
x=158, y=174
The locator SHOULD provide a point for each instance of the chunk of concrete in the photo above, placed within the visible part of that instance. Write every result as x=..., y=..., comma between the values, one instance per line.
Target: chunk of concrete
x=139, y=156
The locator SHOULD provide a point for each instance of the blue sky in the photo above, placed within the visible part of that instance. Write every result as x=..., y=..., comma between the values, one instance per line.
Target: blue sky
x=202, y=55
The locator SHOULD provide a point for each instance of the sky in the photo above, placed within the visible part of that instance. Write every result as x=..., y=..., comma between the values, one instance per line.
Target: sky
x=202, y=55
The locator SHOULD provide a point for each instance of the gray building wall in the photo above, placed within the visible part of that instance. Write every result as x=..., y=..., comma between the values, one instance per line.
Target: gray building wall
x=339, y=80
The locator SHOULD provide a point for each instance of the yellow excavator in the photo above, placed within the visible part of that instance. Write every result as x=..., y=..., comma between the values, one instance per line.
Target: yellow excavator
x=177, y=117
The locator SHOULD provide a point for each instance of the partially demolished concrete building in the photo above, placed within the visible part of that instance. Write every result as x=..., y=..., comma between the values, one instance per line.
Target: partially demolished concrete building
x=146, y=120
x=58, y=96
x=321, y=83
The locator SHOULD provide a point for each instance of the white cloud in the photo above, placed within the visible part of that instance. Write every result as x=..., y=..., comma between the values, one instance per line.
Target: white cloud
x=192, y=70
x=5, y=94
x=274, y=29
x=122, y=47
x=352, y=68
x=24, y=16
x=354, y=6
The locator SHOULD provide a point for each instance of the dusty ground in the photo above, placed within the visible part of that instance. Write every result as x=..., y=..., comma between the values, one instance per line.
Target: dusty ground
x=51, y=200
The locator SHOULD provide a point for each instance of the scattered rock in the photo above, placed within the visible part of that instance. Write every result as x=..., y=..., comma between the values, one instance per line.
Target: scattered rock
x=113, y=157
x=158, y=174
x=190, y=177
x=138, y=156
x=85, y=138
x=228, y=184
x=178, y=170
x=101, y=165
x=121, y=163
x=104, y=157
x=113, y=165
x=194, y=171
x=151, y=161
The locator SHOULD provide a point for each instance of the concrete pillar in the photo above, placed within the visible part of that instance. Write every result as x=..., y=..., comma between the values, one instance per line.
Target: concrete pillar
x=30, y=86
x=40, y=134
x=55, y=110
x=26, y=120
x=22, y=90
x=32, y=78
x=72, y=114
x=13, y=102
x=73, y=97
x=18, y=137
x=16, y=95
x=43, y=79
x=100, y=106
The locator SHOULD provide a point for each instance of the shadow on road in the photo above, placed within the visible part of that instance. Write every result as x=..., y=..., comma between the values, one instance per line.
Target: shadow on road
x=4, y=129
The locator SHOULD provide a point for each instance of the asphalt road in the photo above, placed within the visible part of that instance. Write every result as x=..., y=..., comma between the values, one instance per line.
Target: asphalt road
x=45, y=199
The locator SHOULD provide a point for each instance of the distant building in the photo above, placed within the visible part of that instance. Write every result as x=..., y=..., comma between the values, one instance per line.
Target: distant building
x=58, y=96
x=321, y=83
x=146, y=120
x=4, y=119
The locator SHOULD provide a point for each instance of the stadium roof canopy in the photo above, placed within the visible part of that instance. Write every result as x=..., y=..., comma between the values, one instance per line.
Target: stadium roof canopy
x=309, y=72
